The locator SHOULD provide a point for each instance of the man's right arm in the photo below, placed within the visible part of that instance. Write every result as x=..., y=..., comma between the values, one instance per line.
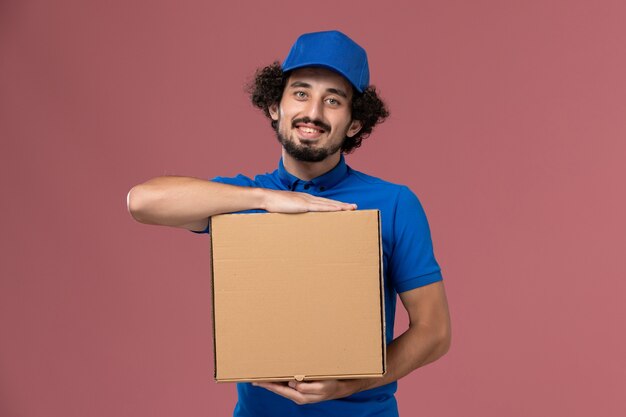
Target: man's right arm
x=188, y=202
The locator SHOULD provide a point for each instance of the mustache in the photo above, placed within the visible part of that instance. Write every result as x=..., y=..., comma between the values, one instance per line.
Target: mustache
x=315, y=122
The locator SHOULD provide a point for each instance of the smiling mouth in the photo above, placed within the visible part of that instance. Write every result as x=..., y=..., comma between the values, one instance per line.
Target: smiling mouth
x=307, y=124
x=308, y=134
x=307, y=129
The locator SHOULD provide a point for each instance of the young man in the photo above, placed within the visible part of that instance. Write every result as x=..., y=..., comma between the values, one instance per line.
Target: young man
x=321, y=105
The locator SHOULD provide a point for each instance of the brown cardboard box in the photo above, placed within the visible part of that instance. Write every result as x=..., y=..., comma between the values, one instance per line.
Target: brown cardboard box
x=297, y=296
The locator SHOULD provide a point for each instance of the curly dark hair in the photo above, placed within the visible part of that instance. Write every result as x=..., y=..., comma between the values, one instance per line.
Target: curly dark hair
x=269, y=83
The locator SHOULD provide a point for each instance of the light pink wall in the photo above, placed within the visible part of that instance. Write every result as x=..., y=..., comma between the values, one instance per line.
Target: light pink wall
x=508, y=120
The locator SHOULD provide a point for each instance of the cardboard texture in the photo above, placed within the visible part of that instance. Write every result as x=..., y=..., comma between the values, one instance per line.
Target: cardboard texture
x=297, y=296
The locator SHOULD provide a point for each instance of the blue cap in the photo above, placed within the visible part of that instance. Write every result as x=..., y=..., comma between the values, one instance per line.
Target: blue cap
x=332, y=50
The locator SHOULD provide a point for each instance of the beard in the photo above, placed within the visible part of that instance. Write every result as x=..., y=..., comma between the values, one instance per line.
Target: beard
x=304, y=152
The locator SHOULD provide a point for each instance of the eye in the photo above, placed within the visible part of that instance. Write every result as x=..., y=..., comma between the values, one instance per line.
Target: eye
x=299, y=94
x=333, y=101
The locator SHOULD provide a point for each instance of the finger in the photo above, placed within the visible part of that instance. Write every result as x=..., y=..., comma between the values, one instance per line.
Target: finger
x=276, y=387
x=287, y=392
x=311, y=388
x=337, y=203
x=324, y=199
x=343, y=206
x=333, y=205
x=320, y=207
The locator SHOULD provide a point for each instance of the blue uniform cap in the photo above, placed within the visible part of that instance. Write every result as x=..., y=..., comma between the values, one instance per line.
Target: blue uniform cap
x=332, y=50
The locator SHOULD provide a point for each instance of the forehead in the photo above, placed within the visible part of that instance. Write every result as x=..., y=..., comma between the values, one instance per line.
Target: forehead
x=320, y=77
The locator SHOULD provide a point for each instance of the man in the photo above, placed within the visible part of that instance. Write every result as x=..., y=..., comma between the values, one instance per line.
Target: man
x=321, y=105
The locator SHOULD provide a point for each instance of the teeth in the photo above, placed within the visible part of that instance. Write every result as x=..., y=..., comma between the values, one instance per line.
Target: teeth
x=308, y=130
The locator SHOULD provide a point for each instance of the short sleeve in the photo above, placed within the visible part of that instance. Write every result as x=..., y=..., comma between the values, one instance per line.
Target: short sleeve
x=412, y=262
x=240, y=180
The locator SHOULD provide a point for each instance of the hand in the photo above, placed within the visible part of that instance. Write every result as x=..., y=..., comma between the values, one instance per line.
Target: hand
x=276, y=201
x=314, y=391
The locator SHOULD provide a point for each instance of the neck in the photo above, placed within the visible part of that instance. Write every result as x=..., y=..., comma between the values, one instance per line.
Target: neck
x=309, y=170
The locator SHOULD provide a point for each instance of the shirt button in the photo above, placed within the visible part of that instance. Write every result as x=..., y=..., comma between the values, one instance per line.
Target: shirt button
x=322, y=188
x=307, y=186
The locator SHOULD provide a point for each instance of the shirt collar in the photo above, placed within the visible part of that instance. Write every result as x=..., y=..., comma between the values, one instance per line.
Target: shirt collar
x=327, y=180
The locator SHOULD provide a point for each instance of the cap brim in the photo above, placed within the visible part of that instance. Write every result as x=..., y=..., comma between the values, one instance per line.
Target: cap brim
x=317, y=65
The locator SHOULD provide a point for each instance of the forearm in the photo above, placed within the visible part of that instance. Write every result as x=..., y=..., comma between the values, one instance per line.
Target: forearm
x=188, y=202
x=427, y=338
x=180, y=201
x=418, y=346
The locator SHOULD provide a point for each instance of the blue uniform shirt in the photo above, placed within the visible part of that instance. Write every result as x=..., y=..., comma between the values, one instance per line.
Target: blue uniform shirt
x=408, y=263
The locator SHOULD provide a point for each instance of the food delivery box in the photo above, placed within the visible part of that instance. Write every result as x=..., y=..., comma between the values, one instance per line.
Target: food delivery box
x=297, y=296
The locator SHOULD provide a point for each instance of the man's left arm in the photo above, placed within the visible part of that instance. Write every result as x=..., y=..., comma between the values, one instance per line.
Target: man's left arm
x=426, y=340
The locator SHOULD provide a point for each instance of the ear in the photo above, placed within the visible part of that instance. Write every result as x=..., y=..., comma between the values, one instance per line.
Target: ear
x=273, y=110
x=353, y=129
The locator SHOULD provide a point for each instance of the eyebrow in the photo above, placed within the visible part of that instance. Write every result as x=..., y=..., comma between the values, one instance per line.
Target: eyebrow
x=338, y=92
x=302, y=84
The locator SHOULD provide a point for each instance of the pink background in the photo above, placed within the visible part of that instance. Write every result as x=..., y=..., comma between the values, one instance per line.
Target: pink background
x=508, y=120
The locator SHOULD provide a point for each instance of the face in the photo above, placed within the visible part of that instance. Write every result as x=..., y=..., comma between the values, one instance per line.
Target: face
x=314, y=114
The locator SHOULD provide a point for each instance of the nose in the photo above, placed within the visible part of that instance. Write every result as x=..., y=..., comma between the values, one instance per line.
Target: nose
x=314, y=109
